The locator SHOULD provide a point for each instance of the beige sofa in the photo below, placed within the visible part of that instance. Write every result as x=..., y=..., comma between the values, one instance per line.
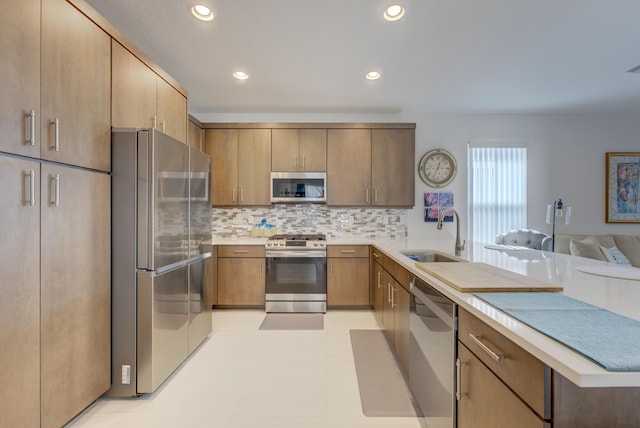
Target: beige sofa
x=589, y=246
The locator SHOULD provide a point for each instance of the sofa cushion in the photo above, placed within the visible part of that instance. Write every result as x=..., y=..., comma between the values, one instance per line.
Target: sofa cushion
x=630, y=247
x=614, y=255
x=588, y=247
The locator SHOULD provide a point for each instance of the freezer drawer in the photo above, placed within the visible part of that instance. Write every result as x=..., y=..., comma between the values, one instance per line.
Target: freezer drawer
x=200, y=301
x=163, y=326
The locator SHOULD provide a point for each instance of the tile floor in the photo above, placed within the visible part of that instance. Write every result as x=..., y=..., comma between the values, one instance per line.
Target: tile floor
x=246, y=377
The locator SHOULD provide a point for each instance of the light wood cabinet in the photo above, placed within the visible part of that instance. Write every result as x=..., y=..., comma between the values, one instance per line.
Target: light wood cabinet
x=241, y=275
x=20, y=285
x=486, y=401
x=195, y=136
x=391, y=303
x=241, y=164
x=349, y=167
x=393, y=167
x=348, y=275
x=76, y=88
x=303, y=150
x=371, y=167
x=142, y=99
x=20, y=82
x=75, y=291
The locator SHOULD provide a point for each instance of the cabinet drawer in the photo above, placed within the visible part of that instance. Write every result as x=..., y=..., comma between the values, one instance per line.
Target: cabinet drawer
x=521, y=371
x=348, y=251
x=240, y=251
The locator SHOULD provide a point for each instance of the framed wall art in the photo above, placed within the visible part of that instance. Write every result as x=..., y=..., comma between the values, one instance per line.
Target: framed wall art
x=623, y=179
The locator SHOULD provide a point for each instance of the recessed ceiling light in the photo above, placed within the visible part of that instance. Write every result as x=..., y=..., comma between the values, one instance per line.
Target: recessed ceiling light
x=240, y=75
x=372, y=75
x=202, y=12
x=394, y=12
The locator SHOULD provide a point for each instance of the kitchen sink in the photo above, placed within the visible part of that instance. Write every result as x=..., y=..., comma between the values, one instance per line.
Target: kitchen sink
x=429, y=256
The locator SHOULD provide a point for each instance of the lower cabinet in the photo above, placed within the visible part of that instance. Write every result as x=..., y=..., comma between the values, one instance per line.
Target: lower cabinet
x=241, y=275
x=486, y=401
x=55, y=314
x=391, y=301
x=348, y=275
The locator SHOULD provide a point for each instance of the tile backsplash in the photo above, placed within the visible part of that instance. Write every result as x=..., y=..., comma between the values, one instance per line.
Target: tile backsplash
x=310, y=219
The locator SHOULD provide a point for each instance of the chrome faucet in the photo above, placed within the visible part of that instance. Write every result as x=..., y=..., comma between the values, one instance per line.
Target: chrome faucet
x=441, y=214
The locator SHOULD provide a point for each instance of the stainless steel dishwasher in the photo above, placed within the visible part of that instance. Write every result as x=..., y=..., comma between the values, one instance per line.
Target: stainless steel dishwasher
x=433, y=325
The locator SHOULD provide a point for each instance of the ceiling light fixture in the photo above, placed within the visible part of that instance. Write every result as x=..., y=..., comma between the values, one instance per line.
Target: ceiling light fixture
x=240, y=75
x=394, y=12
x=372, y=75
x=202, y=12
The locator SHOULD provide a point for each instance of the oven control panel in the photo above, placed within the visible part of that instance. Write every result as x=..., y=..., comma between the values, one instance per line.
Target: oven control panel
x=294, y=244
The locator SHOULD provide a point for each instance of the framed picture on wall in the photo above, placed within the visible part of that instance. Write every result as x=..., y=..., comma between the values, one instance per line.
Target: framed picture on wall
x=623, y=179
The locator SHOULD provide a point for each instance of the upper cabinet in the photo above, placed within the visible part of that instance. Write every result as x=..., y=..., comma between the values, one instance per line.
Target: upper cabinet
x=349, y=167
x=142, y=99
x=240, y=168
x=195, y=136
x=20, y=82
x=393, y=167
x=303, y=150
x=66, y=58
x=76, y=88
x=371, y=167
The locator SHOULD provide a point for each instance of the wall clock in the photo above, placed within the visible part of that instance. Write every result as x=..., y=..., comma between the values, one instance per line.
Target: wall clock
x=437, y=168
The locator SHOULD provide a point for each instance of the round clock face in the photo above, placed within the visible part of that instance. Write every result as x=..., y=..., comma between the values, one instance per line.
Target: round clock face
x=437, y=168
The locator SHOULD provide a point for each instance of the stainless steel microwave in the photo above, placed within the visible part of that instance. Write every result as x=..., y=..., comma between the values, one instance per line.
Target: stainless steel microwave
x=298, y=187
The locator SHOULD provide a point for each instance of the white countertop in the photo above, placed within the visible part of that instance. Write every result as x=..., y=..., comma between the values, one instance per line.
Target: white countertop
x=621, y=296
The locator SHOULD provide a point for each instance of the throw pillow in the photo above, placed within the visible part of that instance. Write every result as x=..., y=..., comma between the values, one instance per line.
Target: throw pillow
x=614, y=255
x=588, y=247
x=630, y=247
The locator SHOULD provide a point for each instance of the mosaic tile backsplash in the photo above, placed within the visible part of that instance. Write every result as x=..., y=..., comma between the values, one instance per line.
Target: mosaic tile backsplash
x=310, y=219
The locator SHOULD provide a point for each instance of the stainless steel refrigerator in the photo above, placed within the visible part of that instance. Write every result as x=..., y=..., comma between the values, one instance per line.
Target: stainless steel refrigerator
x=161, y=257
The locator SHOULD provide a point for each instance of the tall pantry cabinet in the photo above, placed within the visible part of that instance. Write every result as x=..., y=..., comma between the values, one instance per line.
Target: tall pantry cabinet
x=54, y=213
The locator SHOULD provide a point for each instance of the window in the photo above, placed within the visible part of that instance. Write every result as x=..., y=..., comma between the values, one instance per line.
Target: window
x=497, y=188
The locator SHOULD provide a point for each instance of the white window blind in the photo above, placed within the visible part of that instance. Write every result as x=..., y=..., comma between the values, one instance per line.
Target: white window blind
x=497, y=189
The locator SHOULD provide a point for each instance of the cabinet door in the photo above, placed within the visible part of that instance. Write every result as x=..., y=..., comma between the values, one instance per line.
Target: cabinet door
x=393, y=167
x=20, y=78
x=20, y=285
x=401, y=334
x=75, y=291
x=254, y=166
x=388, y=319
x=241, y=281
x=348, y=282
x=349, y=167
x=194, y=136
x=313, y=150
x=486, y=401
x=222, y=146
x=76, y=88
x=171, y=111
x=285, y=145
x=133, y=90
x=377, y=292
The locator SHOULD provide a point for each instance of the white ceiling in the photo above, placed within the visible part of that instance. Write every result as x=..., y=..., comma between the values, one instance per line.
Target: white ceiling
x=444, y=56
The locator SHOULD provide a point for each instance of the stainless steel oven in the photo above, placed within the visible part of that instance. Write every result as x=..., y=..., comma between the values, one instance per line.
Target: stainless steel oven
x=296, y=273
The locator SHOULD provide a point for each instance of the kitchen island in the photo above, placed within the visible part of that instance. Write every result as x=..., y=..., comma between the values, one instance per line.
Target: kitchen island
x=621, y=296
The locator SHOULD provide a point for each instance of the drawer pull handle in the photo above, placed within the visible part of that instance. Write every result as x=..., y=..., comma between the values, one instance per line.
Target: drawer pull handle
x=494, y=355
x=240, y=251
x=347, y=251
x=375, y=255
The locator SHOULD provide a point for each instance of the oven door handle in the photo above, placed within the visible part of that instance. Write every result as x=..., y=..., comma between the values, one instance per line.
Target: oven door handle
x=296, y=254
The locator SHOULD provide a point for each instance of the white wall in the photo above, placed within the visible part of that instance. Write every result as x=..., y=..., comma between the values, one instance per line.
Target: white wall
x=566, y=159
